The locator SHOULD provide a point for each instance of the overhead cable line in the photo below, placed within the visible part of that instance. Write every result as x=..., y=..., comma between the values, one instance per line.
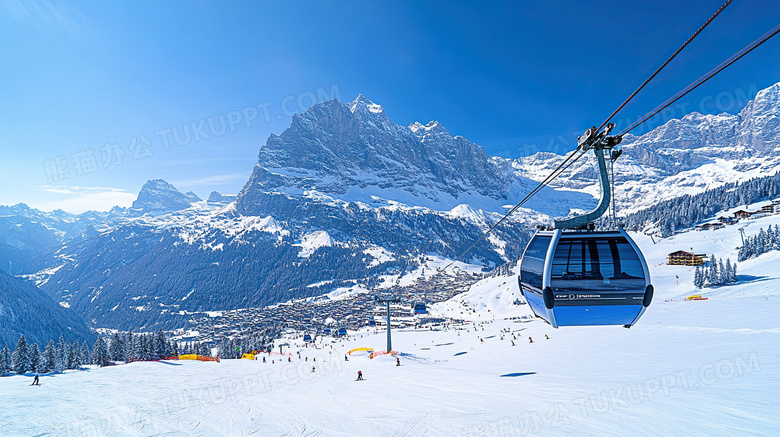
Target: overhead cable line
x=566, y=163
x=734, y=58
x=528, y=196
x=706, y=23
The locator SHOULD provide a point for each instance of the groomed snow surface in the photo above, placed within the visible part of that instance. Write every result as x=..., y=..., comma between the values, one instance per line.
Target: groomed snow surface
x=694, y=368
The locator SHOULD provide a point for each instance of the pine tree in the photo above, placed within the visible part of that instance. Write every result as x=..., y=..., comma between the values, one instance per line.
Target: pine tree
x=723, y=274
x=99, y=353
x=712, y=275
x=20, y=358
x=116, y=349
x=49, y=358
x=71, y=356
x=77, y=362
x=5, y=361
x=84, y=355
x=130, y=347
x=698, y=277
x=35, y=357
x=59, y=361
x=159, y=344
x=144, y=348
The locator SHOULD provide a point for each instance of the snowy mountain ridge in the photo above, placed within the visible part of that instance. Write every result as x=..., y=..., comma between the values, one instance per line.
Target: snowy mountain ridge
x=683, y=156
x=353, y=152
x=340, y=182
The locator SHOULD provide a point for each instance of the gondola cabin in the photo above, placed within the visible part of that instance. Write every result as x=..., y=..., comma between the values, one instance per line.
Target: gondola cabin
x=326, y=331
x=342, y=332
x=371, y=321
x=419, y=308
x=577, y=278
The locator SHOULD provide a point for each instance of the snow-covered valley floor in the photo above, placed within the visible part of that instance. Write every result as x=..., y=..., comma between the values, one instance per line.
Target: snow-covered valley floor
x=687, y=368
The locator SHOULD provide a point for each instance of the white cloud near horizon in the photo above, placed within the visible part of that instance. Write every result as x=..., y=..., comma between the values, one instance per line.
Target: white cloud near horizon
x=77, y=199
x=226, y=178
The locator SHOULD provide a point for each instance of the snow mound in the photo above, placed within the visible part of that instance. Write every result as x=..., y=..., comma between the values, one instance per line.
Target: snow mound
x=313, y=241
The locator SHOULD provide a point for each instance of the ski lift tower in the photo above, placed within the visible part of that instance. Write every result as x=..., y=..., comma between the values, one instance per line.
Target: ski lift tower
x=387, y=301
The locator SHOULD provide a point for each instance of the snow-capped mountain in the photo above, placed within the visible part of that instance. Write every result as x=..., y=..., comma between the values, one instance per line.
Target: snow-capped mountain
x=344, y=183
x=683, y=156
x=353, y=152
x=159, y=197
x=338, y=187
x=216, y=198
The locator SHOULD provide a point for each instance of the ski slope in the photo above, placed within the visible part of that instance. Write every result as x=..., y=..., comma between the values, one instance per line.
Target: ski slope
x=694, y=368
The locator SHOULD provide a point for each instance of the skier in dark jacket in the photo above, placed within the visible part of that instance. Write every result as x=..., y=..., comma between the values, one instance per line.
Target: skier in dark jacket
x=35, y=380
x=360, y=376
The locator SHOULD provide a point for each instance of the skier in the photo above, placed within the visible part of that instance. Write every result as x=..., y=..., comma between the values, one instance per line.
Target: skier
x=35, y=380
x=397, y=361
x=513, y=342
x=312, y=369
x=546, y=337
x=346, y=358
x=360, y=376
x=530, y=340
x=289, y=359
x=263, y=359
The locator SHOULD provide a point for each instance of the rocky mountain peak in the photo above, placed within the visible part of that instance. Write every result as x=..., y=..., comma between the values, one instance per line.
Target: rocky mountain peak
x=160, y=197
x=433, y=128
x=362, y=105
x=354, y=152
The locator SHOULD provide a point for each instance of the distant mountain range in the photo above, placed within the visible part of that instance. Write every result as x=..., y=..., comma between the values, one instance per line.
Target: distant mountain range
x=346, y=197
x=684, y=156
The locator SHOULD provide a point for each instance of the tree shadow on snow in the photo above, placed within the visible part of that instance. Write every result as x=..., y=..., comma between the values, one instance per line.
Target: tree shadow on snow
x=746, y=279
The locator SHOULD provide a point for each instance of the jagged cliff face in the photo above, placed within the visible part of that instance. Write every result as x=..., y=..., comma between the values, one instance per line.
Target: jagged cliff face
x=754, y=133
x=353, y=151
x=160, y=197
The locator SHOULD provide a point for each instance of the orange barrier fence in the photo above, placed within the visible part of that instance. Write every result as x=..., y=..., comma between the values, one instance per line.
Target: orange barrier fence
x=376, y=354
x=198, y=357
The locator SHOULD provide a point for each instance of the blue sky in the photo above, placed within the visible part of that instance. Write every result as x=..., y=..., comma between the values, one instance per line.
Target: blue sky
x=92, y=90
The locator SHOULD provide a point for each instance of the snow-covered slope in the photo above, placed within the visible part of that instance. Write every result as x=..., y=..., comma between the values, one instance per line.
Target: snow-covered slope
x=694, y=368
